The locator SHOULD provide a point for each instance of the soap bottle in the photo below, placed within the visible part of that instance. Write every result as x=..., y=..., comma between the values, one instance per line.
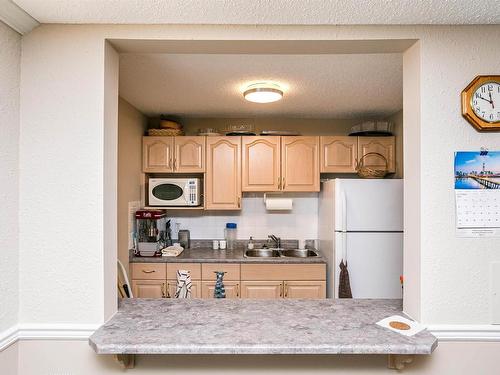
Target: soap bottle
x=250, y=245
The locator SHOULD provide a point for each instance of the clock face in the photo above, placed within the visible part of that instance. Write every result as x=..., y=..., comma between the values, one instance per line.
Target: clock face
x=485, y=102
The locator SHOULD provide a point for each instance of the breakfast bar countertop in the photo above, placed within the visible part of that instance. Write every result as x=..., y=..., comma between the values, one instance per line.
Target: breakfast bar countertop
x=225, y=326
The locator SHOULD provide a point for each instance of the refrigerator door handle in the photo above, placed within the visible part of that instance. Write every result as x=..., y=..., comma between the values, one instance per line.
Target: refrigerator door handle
x=344, y=211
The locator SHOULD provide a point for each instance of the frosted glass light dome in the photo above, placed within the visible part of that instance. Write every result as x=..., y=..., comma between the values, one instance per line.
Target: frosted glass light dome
x=263, y=93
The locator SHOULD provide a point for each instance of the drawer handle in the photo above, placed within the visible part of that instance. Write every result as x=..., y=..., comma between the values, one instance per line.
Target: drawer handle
x=148, y=271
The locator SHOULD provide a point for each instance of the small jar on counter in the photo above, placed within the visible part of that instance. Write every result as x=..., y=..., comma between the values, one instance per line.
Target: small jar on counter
x=230, y=235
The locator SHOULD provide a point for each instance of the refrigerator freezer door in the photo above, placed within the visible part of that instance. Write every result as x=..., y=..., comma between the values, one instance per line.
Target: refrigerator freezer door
x=369, y=205
x=374, y=262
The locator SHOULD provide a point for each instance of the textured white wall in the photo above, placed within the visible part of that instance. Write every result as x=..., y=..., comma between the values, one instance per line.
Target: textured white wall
x=10, y=60
x=455, y=272
x=62, y=156
x=61, y=177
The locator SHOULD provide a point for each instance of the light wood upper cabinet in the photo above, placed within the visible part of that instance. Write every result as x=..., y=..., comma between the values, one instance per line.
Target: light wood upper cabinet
x=338, y=154
x=261, y=289
x=300, y=163
x=261, y=163
x=382, y=145
x=223, y=177
x=189, y=155
x=157, y=154
x=305, y=289
x=232, y=289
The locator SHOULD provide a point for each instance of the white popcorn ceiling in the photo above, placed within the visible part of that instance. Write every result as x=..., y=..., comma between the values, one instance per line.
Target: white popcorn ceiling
x=315, y=86
x=271, y=12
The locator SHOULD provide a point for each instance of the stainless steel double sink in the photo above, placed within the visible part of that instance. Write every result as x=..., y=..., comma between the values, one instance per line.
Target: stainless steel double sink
x=277, y=253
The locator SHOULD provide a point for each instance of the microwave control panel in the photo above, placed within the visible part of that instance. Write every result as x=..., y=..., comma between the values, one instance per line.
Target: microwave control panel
x=192, y=187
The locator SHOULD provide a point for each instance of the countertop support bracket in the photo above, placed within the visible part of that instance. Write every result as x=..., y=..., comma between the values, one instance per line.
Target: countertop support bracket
x=399, y=361
x=126, y=361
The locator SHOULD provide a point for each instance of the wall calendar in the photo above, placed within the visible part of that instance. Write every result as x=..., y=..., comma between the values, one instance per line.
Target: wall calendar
x=477, y=193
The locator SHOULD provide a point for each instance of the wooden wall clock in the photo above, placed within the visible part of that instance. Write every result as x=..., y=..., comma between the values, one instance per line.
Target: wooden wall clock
x=481, y=103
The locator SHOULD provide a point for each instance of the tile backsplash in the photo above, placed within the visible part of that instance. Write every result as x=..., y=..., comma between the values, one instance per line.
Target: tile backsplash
x=254, y=220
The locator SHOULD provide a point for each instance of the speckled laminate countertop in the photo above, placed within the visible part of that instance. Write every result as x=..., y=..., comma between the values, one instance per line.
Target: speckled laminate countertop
x=207, y=255
x=211, y=326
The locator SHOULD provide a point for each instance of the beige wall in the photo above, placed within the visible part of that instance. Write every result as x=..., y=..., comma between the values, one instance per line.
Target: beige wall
x=397, y=121
x=44, y=357
x=10, y=59
x=131, y=127
x=9, y=360
x=302, y=125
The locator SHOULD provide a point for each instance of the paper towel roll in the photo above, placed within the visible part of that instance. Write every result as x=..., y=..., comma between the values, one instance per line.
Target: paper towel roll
x=279, y=204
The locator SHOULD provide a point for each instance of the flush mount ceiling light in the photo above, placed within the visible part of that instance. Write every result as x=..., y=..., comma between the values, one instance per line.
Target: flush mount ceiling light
x=263, y=93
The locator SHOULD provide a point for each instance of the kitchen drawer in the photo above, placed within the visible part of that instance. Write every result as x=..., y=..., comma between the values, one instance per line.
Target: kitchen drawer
x=149, y=271
x=232, y=271
x=280, y=272
x=195, y=269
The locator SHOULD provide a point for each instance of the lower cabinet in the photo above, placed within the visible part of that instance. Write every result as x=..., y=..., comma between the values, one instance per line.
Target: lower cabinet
x=149, y=288
x=305, y=289
x=261, y=289
x=255, y=281
x=232, y=289
x=195, y=288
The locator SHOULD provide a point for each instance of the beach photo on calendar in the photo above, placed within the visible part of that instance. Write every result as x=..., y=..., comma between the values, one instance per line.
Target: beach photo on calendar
x=477, y=170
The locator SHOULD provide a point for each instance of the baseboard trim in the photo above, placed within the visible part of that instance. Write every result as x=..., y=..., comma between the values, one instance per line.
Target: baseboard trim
x=462, y=332
x=46, y=332
x=444, y=333
x=8, y=337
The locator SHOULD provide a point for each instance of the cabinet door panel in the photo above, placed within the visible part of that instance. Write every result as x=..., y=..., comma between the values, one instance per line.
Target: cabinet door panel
x=382, y=145
x=305, y=289
x=189, y=154
x=223, y=177
x=232, y=289
x=149, y=288
x=195, y=288
x=157, y=154
x=300, y=163
x=338, y=154
x=261, y=289
x=261, y=164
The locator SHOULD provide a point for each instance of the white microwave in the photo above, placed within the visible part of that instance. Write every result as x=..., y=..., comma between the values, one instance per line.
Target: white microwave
x=174, y=192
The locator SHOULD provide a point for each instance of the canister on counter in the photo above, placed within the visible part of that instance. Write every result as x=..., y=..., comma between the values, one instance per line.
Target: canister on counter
x=184, y=238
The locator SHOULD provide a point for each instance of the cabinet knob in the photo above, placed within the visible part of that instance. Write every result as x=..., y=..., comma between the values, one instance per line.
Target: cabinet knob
x=281, y=290
x=163, y=291
x=286, y=289
x=237, y=290
x=279, y=183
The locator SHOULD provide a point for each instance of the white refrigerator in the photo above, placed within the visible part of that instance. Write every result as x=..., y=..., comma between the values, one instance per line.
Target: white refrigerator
x=361, y=221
